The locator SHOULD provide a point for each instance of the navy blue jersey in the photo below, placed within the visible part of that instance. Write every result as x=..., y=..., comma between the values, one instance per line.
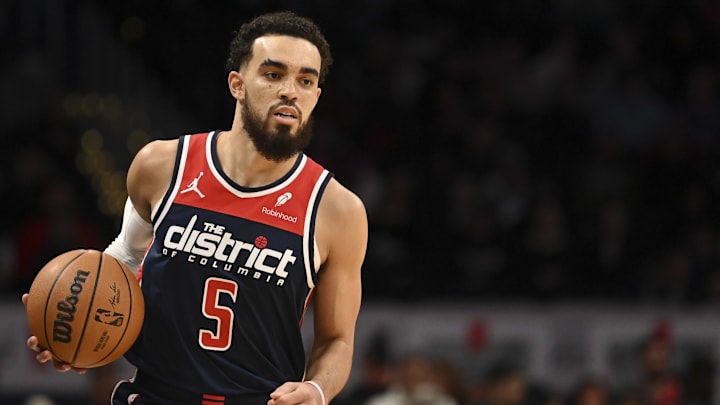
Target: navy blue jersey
x=228, y=277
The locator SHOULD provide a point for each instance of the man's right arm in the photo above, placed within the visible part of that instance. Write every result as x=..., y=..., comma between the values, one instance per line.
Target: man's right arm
x=148, y=178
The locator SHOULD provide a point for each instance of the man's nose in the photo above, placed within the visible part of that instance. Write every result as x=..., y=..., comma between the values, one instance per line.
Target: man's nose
x=288, y=89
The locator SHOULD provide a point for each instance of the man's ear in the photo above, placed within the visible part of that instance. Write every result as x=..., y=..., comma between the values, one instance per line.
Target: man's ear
x=236, y=84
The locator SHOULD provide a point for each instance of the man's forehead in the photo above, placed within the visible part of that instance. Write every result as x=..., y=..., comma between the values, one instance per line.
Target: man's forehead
x=292, y=51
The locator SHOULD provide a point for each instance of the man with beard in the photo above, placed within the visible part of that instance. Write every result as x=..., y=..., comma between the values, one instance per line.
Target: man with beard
x=243, y=230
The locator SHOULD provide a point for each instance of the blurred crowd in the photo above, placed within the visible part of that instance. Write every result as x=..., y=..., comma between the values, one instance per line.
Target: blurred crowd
x=418, y=379
x=525, y=150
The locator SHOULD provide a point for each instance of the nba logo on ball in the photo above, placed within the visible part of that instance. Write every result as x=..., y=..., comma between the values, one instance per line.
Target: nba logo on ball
x=109, y=317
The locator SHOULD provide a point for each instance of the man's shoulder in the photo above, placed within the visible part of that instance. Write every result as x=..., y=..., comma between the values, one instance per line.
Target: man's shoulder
x=156, y=157
x=159, y=148
x=343, y=199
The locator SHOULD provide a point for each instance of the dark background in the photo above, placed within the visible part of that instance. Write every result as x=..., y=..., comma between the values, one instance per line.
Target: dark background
x=519, y=150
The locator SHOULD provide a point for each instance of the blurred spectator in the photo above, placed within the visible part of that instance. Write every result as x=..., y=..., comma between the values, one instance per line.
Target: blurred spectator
x=375, y=369
x=610, y=253
x=481, y=255
x=504, y=384
x=450, y=381
x=544, y=255
x=669, y=276
x=699, y=380
x=630, y=399
x=591, y=391
x=659, y=383
x=414, y=383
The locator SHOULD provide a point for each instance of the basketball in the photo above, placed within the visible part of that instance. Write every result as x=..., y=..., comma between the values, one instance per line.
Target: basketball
x=86, y=307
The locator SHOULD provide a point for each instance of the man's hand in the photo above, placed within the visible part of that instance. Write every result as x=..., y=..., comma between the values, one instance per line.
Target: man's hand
x=43, y=356
x=296, y=393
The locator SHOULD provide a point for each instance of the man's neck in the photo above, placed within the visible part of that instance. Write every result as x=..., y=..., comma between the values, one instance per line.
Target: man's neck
x=241, y=161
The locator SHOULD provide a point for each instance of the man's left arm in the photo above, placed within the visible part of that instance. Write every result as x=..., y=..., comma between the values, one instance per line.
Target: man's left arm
x=342, y=223
x=337, y=298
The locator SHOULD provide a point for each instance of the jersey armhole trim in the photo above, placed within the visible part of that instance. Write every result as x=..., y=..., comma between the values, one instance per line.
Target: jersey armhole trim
x=309, y=234
x=180, y=159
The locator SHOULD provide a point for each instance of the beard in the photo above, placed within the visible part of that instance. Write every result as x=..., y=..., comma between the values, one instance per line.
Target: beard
x=277, y=144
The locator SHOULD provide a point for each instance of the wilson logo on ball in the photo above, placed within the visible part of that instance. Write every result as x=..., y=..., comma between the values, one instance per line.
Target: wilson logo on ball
x=62, y=328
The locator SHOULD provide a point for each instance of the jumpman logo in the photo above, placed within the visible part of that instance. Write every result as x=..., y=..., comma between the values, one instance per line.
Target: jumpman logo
x=193, y=186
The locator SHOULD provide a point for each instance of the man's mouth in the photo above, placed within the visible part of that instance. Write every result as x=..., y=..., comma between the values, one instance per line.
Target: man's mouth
x=286, y=115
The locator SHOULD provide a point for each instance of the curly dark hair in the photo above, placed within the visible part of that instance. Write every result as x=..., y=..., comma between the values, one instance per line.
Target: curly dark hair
x=279, y=23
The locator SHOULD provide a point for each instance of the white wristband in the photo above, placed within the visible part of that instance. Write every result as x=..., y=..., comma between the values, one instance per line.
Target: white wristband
x=316, y=385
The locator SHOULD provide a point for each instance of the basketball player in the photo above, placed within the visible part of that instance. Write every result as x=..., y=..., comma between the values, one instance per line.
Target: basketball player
x=243, y=229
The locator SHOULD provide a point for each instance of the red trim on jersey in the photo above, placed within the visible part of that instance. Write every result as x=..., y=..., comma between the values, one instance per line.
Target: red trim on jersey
x=138, y=276
x=307, y=305
x=284, y=208
x=208, y=399
x=214, y=397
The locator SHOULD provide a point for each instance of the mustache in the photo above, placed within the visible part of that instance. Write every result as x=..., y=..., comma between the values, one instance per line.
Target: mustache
x=287, y=103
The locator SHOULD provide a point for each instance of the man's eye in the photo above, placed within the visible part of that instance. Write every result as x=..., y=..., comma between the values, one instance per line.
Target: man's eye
x=272, y=75
x=307, y=82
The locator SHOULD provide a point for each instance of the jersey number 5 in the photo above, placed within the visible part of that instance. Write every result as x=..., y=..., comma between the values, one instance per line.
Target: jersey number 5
x=220, y=338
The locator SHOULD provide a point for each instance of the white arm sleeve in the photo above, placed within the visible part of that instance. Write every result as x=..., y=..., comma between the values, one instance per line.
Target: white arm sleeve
x=135, y=235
